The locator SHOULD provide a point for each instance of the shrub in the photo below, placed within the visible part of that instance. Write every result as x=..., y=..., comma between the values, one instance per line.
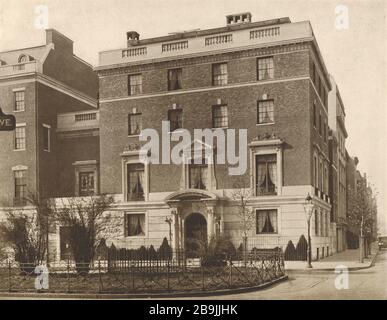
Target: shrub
x=290, y=252
x=302, y=249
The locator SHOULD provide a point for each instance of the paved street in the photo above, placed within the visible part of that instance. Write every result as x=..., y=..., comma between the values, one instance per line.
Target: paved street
x=368, y=283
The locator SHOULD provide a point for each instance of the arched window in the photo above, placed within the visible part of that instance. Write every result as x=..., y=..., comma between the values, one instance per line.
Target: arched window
x=23, y=58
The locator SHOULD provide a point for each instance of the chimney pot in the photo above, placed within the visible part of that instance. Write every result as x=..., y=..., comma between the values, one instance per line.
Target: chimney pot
x=132, y=37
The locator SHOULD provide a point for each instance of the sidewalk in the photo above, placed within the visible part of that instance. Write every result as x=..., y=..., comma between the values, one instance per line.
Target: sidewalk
x=348, y=258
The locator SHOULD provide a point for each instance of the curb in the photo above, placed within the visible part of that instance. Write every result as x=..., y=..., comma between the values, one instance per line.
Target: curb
x=367, y=266
x=108, y=296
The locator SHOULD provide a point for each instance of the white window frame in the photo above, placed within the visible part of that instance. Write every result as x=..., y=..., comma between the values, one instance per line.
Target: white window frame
x=47, y=126
x=14, y=99
x=279, y=220
x=86, y=166
x=266, y=147
x=133, y=157
x=184, y=182
x=126, y=213
x=18, y=125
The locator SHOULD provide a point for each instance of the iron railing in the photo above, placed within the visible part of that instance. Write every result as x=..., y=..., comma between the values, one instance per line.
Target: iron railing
x=155, y=275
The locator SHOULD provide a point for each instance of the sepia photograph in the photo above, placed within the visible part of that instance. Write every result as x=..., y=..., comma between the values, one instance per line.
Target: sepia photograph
x=193, y=150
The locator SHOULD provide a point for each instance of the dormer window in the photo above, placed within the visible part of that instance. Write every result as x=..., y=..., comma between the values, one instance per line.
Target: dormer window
x=23, y=59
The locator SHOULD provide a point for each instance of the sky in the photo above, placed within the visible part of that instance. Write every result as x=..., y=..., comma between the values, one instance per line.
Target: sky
x=354, y=56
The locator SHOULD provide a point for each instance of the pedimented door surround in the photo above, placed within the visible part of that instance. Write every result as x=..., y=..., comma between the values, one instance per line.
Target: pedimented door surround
x=184, y=203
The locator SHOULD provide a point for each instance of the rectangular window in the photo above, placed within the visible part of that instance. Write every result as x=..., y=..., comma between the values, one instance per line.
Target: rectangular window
x=136, y=182
x=20, y=187
x=219, y=116
x=266, y=221
x=325, y=131
x=319, y=125
x=175, y=118
x=20, y=138
x=265, y=68
x=314, y=115
x=135, y=225
x=313, y=72
x=46, y=138
x=134, y=84
x=315, y=167
x=265, y=111
x=266, y=174
x=316, y=228
x=19, y=100
x=198, y=176
x=86, y=184
x=134, y=124
x=174, y=79
x=219, y=74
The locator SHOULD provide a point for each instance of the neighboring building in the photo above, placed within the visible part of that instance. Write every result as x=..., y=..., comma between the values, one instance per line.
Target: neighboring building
x=337, y=124
x=353, y=176
x=333, y=185
x=267, y=77
x=53, y=94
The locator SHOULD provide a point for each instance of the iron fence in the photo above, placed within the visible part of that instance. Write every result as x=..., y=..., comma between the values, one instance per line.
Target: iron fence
x=140, y=275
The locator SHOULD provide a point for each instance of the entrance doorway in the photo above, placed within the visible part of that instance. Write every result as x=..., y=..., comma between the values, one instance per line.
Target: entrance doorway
x=195, y=235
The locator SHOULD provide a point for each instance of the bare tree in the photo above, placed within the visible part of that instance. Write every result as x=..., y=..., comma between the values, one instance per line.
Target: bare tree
x=26, y=232
x=84, y=219
x=361, y=213
x=241, y=194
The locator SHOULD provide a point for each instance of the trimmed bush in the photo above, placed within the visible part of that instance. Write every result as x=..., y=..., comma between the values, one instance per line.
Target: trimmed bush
x=290, y=252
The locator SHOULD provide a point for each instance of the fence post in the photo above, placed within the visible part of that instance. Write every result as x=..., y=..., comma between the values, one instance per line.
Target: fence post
x=230, y=275
x=168, y=288
x=9, y=276
x=100, y=286
x=203, y=282
x=68, y=276
x=132, y=273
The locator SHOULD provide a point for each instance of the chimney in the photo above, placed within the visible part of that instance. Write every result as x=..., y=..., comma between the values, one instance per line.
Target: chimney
x=132, y=38
x=238, y=18
x=59, y=40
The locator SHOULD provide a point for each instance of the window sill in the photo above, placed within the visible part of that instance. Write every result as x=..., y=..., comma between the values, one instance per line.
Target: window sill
x=268, y=79
x=135, y=237
x=46, y=150
x=18, y=150
x=177, y=131
x=222, y=128
x=18, y=111
x=133, y=135
x=267, y=234
x=265, y=124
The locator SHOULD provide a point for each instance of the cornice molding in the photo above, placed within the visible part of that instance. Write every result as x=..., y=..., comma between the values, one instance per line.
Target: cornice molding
x=237, y=53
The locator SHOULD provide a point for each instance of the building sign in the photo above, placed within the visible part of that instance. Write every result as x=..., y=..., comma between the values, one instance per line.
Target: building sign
x=7, y=122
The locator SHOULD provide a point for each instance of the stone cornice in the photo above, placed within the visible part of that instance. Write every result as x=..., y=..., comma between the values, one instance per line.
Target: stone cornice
x=238, y=53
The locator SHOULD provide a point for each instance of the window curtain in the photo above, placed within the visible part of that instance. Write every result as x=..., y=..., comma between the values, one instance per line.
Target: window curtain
x=140, y=183
x=175, y=79
x=195, y=178
x=204, y=171
x=267, y=221
x=136, y=225
x=261, y=176
x=272, y=175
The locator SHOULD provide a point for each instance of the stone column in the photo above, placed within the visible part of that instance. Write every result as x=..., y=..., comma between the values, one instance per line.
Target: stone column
x=175, y=228
x=210, y=223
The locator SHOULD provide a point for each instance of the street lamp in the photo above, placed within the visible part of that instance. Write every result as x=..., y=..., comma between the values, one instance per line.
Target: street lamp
x=308, y=207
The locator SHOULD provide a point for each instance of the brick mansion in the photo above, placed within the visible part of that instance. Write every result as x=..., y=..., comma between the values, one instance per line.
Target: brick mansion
x=78, y=134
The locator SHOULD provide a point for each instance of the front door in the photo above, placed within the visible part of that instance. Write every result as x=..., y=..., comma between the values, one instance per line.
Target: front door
x=195, y=235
